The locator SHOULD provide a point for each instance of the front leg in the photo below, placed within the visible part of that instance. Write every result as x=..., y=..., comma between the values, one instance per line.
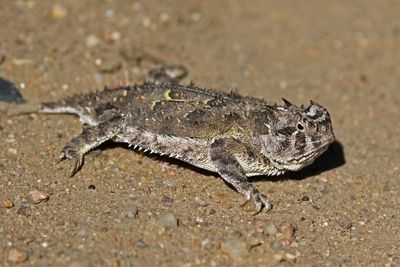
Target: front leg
x=90, y=138
x=229, y=168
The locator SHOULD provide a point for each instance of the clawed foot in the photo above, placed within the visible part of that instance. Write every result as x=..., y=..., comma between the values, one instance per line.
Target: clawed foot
x=71, y=154
x=260, y=201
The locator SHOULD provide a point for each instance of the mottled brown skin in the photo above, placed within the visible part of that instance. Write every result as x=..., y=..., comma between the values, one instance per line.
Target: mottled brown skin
x=226, y=133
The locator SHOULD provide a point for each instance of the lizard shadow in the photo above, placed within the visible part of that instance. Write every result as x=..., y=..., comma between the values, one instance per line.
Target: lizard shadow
x=9, y=92
x=333, y=158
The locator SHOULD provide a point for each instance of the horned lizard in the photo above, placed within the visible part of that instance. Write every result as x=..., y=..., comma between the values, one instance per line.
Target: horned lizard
x=232, y=135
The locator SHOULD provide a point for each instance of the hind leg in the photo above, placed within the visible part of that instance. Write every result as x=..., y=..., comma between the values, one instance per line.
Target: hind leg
x=90, y=138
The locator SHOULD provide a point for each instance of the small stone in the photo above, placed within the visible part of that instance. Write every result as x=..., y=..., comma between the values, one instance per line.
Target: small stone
x=169, y=183
x=345, y=222
x=146, y=22
x=210, y=211
x=92, y=41
x=270, y=228
x=82, y=232
x=275, y=245
x=7, y=203
x=17, y=255
x=195, y=16
x=165, y=17
x=207, y=243
x=200, y=202
x=166, y=200
x=168, y=220
x=132, y=214
x=12, y=151
x=92, y=187
x=36, y=196
x=140, y=244
x=290, y=257
x=59, y=11
x=305, y=198
x=287, y=229
x=235, y=248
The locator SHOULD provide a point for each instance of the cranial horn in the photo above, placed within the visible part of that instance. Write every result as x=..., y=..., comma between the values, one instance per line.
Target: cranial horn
x=287, y=103
x=312, y=103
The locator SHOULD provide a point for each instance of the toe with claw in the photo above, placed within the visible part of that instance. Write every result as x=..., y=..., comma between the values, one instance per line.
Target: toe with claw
x=260, y=201
x=71, y=154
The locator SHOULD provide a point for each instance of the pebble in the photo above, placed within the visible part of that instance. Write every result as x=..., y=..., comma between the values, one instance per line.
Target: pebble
x=7, y=203
x=345, y=222
x=287, y=229
x=235, y=248
x=170, y=183
x=92, y=41
x=270, y=228
x=97, y=78
x=140, y=244
x=275, y=245
x=207, y=243
x=9, y=92
x=132, y=214
x=82, y=232
x=166, y=200
x=36, y=196
x=17, y=255
x=59, y=11
x=200, y=202
x=12, y=151
x=290, y=257
x=305, y=198
x=168, y=220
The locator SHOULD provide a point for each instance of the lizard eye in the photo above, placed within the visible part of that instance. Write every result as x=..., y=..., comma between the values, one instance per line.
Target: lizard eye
x=300, y=127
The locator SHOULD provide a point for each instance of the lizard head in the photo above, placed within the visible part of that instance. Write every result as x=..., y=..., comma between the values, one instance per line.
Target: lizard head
x=297, y=135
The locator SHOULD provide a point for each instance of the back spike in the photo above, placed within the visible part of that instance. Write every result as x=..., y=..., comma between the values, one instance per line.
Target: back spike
x=287, y=103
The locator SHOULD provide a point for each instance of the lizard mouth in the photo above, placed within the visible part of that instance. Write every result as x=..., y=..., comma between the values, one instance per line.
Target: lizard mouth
x=303, y=160
x=307, y=159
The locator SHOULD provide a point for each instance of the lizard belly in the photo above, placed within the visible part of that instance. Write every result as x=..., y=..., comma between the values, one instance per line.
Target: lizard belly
x=191, y=150
x=254, y=167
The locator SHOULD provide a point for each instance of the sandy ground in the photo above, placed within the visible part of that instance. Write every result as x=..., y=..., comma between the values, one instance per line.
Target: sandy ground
x=127, y=209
